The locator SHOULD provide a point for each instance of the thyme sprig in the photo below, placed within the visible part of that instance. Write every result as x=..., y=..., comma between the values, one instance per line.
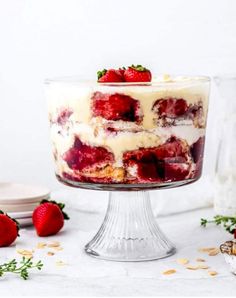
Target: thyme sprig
x=228, y=222
x=20, y=267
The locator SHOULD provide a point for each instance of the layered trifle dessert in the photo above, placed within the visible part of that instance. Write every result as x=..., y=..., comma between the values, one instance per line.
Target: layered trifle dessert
x=128, y=127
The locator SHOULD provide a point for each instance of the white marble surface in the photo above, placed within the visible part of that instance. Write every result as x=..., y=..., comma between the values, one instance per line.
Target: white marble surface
x=86, y=276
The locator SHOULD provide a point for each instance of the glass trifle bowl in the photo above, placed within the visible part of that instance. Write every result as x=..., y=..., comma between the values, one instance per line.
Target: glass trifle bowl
x=128, y=138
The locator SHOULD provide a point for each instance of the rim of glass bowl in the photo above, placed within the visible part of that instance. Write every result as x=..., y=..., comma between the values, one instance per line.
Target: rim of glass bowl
x=175, y=80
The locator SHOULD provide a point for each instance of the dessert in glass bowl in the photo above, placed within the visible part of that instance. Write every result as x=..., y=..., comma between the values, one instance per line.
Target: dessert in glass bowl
x=128, y=131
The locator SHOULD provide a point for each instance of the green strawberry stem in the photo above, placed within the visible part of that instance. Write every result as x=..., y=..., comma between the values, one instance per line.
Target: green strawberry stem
x=101, y=73
x=60, y=205
x=138, y=67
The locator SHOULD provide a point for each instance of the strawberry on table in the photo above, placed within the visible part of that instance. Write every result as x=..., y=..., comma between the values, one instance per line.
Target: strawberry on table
x=110, y=76
x=9, y=228
x=137, y=73
x=48, y=218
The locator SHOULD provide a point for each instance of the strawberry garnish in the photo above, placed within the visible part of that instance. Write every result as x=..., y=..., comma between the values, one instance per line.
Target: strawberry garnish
x=9, y=228
x=110, y=76
x=48, y=218
x=137, y=73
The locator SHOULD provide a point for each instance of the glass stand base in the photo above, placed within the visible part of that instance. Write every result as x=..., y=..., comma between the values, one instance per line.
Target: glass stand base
x=129, y=231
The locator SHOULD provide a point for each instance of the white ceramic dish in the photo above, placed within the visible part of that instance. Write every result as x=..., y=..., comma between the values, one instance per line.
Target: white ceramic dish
x=18, y=215
x=15, y=193
x=18, y=208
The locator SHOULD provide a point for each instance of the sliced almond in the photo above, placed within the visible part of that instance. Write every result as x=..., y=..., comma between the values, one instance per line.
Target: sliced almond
x=24, y=252
x=212, y=273
x=214, y=252
x=60, y=263
x=182, y=261
x=190, y=267
x=168, y=272
x=58, y=248
x=206, y=249
x=203, y=267
x=41, y=245
x=200, y=260
x=54, y=244
x=50, y=253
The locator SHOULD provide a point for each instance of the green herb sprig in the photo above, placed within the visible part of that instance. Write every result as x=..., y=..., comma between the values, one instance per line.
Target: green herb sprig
x=20, y=268
x=228, y=222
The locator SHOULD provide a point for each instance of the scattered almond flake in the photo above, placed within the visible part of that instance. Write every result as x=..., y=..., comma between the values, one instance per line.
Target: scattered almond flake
x=190, y=267
x=207, y=249
x=214, y=252
x=200, y=260
x=50, y=253
x=54, y=244
x=203, y=267
x=58, y=248
x=168, y=272
x=182, y=261
x=212, y=273
x=41, y=245
x=24, y=252
x=60, y=263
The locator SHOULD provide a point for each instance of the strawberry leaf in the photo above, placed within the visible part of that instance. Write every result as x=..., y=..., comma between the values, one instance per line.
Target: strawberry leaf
x=138, y=67
x=60, y=205
x=101, y=73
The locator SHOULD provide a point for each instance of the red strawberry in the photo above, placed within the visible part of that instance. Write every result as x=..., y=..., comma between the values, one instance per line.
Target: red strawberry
x=170, y=107
x=9, y=228
x=81, y=156
x=116, y=107
x=48, y=218
x=137, y=73
x=110, y=76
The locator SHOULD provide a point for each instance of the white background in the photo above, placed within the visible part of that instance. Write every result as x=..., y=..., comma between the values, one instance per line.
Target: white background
x=47, y=38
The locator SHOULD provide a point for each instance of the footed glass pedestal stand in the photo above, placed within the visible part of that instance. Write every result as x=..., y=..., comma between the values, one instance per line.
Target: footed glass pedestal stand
x=129, y=231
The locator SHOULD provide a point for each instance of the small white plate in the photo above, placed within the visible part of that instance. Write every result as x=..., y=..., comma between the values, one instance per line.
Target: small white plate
x=25, y=221
x=18, y=215
x=18, y=208
x=15, y=193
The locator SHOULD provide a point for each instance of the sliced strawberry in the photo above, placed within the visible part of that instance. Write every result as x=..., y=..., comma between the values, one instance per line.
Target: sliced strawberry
x=110, y=76
x=81, y=156
x=167, y=162
x=172, y=148
x=63, y=116
x=137, y=73
x=170, y=107
x=116, y=107
x=197, y=149
x=144, y=163
x=171, y=171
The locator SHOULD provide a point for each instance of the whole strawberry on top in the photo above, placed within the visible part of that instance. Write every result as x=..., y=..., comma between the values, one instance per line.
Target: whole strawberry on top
x=9, y=228
x=110, y=76
x=137, y=73
x=48, y=218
